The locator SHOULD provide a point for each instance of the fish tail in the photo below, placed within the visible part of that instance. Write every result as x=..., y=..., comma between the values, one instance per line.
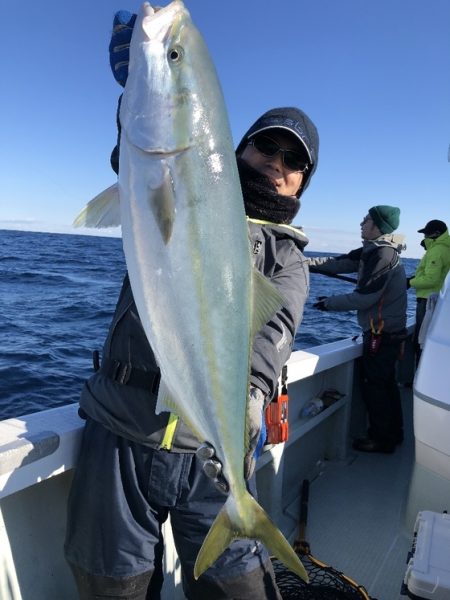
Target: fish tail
x=250, y=522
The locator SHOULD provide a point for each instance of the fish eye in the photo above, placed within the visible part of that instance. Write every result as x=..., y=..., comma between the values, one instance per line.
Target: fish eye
x=175, y=54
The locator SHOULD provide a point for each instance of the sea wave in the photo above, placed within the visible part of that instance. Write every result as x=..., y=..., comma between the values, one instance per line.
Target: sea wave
x=57, y=296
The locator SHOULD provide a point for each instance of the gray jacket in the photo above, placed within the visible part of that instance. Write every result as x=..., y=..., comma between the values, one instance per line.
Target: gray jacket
x=380, y=294
x=122, y=393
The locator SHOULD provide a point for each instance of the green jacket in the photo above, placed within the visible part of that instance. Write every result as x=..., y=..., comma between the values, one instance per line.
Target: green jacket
x=433, y=267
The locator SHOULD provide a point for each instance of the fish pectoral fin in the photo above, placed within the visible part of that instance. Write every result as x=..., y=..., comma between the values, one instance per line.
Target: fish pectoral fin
x=254, y=523
x=266, y=301
x=101, y=211
x=162, y=204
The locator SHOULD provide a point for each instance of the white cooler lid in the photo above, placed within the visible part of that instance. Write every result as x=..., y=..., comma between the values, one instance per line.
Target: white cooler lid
x=428, y=572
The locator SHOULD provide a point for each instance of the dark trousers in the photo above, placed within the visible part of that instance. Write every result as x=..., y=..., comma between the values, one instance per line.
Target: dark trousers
x=380, y=390
x=421, y=308
x=121, y=495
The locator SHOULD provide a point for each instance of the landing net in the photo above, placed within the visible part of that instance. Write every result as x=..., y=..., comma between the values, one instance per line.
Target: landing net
x=325, y=582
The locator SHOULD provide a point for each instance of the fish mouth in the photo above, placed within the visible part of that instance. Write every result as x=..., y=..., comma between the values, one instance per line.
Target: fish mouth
x=172, y=8
x=164, y=22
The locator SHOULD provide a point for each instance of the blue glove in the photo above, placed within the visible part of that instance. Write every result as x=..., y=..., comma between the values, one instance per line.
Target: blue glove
x=119, y=46
x=262, y=438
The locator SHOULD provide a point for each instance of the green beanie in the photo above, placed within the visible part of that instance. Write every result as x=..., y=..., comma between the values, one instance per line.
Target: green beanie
x=386, y=218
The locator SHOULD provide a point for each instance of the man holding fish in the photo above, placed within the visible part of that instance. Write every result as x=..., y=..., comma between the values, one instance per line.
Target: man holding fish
x=203, y=326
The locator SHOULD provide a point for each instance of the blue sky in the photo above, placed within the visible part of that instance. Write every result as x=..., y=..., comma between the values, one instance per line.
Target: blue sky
x=373, y=75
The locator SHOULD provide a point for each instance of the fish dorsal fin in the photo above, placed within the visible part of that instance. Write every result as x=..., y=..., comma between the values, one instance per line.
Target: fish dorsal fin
x=162, y=204
x=266, y=301
x=101, y=211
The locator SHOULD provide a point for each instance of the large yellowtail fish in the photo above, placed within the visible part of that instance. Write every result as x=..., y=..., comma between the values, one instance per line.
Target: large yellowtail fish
x=187, y=252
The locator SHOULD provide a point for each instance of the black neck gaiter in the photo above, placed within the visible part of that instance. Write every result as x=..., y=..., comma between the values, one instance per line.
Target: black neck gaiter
x=261, y=199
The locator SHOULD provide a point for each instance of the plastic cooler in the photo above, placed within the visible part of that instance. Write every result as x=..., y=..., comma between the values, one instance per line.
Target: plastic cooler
x=428, y=572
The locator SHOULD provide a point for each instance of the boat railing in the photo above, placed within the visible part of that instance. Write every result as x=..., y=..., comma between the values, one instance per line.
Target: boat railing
x=38, y=453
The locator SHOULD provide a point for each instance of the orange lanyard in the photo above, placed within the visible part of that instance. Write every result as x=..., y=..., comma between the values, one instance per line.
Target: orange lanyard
x=380, y=320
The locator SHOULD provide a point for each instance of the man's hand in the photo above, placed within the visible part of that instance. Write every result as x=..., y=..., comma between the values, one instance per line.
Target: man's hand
x=320, y=304
x=257, y=436
x=212, y=467
x=119, y=46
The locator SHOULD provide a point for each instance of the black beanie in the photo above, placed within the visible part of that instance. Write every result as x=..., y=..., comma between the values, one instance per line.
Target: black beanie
x=299, y=124
x=386, y=218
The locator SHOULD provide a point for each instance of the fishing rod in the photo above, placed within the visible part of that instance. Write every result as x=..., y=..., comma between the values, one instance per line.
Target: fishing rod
x=335, y=275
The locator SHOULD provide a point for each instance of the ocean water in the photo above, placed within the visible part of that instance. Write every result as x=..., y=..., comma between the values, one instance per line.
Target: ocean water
x=57, y=296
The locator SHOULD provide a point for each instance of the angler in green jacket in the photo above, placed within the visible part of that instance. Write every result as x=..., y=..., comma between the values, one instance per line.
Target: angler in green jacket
x=432, y=269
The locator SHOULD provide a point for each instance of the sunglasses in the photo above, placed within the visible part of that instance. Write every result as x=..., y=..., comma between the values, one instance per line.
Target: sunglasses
x=292, y=160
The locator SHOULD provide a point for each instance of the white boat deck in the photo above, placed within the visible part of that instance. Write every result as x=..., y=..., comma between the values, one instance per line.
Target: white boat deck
x=356, y=515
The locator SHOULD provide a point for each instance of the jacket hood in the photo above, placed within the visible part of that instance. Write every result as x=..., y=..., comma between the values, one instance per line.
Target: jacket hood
x=442, y=240
x=395, y=240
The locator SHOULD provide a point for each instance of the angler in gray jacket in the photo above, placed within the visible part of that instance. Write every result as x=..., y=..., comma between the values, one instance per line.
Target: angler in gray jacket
x=380, y=301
